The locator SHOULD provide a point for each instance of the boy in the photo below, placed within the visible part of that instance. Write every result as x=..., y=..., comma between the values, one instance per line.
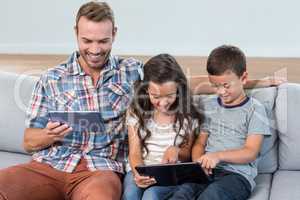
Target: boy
x=232, y=134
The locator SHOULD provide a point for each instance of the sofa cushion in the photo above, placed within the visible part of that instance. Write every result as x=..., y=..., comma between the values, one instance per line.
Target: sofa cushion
x=9, y=159
x=16, y=91
x=285, y=185
x=262, y=188
x=287, y=114
x=268, y=160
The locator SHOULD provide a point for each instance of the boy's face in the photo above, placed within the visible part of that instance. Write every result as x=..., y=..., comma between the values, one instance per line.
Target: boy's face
x=229, y=87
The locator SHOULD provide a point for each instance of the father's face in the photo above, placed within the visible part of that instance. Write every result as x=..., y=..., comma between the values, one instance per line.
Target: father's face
x=94, y=42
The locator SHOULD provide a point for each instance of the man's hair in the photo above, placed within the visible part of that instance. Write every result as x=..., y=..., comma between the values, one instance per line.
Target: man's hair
x=226, y=58
x=95, y=11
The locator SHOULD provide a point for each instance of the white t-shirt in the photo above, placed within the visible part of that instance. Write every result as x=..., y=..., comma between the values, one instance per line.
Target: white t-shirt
x=162, y=137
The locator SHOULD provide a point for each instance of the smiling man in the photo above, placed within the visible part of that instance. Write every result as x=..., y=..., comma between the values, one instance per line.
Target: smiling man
x=68, y=164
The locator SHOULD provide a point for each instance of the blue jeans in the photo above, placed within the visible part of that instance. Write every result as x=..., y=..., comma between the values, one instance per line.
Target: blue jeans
x=224, y=186
x=132, y=192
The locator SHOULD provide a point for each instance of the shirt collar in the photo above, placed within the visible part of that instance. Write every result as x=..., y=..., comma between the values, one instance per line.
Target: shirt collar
x=233, y=106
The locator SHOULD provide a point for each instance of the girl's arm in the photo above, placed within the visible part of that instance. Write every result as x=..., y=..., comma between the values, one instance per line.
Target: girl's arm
x=135, y=158
x=135, y=154
x=184, y=153
x=174, y=154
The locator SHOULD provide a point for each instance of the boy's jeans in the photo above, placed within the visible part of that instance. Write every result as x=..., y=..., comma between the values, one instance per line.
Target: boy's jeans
x=225, y=186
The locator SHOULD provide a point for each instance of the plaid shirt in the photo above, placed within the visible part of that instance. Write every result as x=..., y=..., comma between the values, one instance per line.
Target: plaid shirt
x=68, y=88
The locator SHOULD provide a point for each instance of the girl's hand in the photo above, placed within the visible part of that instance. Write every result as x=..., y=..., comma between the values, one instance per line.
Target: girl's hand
x=143, y=181
x=171, y=155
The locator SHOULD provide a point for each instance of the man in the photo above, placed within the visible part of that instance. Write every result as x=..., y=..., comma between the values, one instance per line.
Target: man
x=69, y=164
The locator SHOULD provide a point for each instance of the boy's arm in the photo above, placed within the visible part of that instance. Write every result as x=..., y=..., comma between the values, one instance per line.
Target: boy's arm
x=246, y=154
x=199, y=146
x=201, y=85
x=238, y=156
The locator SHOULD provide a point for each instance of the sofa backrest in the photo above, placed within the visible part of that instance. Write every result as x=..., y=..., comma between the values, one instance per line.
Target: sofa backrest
x=288, y=122
x=268, y=159
x=15, y=94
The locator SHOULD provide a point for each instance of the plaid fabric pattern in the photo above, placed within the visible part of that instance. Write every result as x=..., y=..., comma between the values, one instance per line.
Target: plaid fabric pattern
x=68, y=88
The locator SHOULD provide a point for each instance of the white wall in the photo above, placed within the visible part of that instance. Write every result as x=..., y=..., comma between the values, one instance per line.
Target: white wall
x=146, y=27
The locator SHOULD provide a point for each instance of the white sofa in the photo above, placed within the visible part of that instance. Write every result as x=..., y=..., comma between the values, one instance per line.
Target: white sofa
x=279, y=168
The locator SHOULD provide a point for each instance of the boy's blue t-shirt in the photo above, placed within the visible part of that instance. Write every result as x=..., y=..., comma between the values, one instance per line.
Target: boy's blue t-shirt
x=228, y=128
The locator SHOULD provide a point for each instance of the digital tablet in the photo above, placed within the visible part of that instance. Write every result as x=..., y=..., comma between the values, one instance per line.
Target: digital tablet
x=79, y=120
x=175, y=174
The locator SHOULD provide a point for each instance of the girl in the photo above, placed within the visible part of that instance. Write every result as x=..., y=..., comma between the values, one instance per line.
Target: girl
x=161, y=125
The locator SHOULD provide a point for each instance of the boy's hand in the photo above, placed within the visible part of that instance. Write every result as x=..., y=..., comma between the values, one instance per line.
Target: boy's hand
x=171, y=155
x=209, y=161
x=143, y=181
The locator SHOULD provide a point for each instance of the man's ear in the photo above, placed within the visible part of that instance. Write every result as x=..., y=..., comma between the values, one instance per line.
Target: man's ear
x=244, y=77
x=76, y=30
x=114, y=33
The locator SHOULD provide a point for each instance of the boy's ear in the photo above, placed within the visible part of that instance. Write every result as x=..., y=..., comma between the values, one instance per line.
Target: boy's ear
x=244, y=78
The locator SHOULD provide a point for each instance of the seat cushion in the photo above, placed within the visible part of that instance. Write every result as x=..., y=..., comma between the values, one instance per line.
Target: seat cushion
x=285, y=185
x=15, y=94
x=9, y=159
x=287, y=114
x=262, y=188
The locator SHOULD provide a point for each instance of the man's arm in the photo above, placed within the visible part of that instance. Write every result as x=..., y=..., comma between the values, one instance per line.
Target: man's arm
x=36, y=138
x=201, y=85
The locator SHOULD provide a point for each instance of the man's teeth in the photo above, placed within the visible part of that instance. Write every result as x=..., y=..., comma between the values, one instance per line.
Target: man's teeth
x=94, y=56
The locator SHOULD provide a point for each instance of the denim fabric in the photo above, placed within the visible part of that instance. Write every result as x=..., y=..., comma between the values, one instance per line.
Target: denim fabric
x=132, y=192
x=225, y=186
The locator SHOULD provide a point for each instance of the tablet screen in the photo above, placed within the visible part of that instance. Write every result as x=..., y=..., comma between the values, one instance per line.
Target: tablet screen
x=174, y=174
x=79, y=120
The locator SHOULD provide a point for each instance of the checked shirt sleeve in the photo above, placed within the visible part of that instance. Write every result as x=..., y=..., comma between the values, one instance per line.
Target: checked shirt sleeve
x=37, y=112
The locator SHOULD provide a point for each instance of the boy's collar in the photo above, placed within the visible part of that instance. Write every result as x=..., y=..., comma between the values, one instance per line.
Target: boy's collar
x=233, y=106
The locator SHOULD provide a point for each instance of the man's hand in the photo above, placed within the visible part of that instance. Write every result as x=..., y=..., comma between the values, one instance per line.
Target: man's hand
x=143, y=181
x=171, y=155
x=36, y=138
x=274, y=80
x=57, y=131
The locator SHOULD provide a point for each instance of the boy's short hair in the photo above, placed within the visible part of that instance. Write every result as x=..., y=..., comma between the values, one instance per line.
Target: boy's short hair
x=95, y=11
x=226, y=58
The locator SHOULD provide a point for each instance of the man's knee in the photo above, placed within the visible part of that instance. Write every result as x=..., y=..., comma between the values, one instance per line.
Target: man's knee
x=103, y=186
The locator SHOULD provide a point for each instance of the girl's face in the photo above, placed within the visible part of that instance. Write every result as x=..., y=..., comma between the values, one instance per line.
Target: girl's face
x=162, y=96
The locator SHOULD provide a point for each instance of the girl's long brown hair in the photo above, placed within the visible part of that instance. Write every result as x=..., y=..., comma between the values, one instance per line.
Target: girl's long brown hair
x=161, y=69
